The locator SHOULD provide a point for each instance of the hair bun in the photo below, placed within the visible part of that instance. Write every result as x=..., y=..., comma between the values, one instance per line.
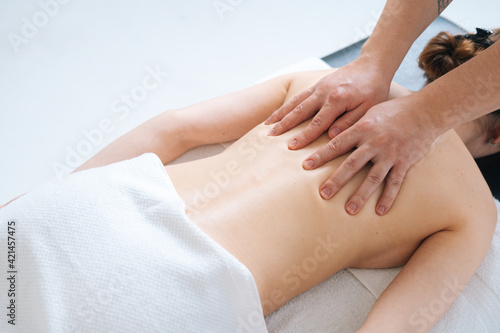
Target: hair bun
x=444, y=53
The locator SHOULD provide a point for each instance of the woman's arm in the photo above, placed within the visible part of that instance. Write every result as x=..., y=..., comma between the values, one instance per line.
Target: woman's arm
x=174, y=132
x=221, y=119
x=432, y=279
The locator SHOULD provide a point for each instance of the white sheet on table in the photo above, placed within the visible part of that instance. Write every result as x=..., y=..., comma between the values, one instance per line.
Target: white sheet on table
x=341, y=303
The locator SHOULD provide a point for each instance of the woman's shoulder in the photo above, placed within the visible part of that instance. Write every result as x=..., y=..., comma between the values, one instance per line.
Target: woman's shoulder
x=454, y=188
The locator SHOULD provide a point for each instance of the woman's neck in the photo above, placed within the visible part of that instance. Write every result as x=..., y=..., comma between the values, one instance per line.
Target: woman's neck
x=473, y=136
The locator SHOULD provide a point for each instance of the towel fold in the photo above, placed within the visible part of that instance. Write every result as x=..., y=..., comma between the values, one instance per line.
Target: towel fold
x=111, y=250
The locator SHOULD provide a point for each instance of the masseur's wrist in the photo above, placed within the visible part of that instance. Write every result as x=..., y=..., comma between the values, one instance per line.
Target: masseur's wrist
x=376, y=81
x=420, y=120
x=428, y=114
x=379, y=68
x=382, y=58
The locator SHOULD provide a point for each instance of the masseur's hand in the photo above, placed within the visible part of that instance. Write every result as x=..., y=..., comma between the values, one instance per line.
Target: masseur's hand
x=393, y=135
x=342, y=98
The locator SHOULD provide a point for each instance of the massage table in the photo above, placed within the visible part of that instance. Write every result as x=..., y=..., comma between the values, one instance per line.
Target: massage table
x=342, y=302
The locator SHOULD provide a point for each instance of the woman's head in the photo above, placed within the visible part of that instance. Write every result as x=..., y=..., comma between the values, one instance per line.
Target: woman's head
x=444, y=53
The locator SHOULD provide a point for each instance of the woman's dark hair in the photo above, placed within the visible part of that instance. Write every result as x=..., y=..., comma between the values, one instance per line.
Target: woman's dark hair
x=445, y=52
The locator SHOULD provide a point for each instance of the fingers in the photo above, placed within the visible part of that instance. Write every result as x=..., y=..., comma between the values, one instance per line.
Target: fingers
x=300, y=113
x=391, y=190
x=346, y=121
x=352, y=164
x=374, y=178
x=334, y=148
x=319, y=124
x=289, y=106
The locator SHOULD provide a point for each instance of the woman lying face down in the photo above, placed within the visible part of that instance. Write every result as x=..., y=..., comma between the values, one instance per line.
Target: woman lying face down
x=257, y=201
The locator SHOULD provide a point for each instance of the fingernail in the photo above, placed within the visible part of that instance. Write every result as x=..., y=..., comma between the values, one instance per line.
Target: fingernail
x=325, y=193
x=271, y=132
x=351, y=208
x=293, y=143
x=268, y=120
x=334, y=131
x=381, y=210
x=308, y=164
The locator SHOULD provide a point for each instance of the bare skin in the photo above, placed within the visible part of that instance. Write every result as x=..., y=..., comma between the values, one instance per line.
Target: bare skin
x=271, y=217
x=464, y=94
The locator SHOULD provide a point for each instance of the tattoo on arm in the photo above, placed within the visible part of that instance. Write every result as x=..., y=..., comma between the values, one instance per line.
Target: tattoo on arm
x=442, y=4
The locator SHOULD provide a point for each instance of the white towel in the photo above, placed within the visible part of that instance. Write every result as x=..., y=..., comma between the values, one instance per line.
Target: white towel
x=111, y=250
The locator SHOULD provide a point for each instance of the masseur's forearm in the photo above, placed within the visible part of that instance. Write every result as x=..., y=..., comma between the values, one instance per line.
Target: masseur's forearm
x=163, y=135
x=399, y=25
x=464, y=94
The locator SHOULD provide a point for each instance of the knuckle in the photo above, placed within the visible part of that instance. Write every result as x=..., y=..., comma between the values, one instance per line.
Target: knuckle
x=322, y=90
x=367, y=125
x=396, y=178
x=282, y=112
x=277, y=115
x=285, y=124
x=333, y=97
x=299, y=110
x=347, y=122
x=351, y=162
x=333, y=144
x=312, y=89
x=375, y=178
x=395, y=182
x=316, y=122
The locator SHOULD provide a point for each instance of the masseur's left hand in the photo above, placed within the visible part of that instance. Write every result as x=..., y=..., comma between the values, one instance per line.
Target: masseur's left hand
x=393, y=135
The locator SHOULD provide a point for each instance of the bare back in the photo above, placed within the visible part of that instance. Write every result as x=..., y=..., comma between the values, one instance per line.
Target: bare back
x=257, y=201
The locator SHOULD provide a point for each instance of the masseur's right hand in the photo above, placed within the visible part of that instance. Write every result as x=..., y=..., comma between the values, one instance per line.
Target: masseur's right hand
x=342, y=98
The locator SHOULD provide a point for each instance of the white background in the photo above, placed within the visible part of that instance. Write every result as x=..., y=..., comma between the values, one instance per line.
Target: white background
x=70, y=73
